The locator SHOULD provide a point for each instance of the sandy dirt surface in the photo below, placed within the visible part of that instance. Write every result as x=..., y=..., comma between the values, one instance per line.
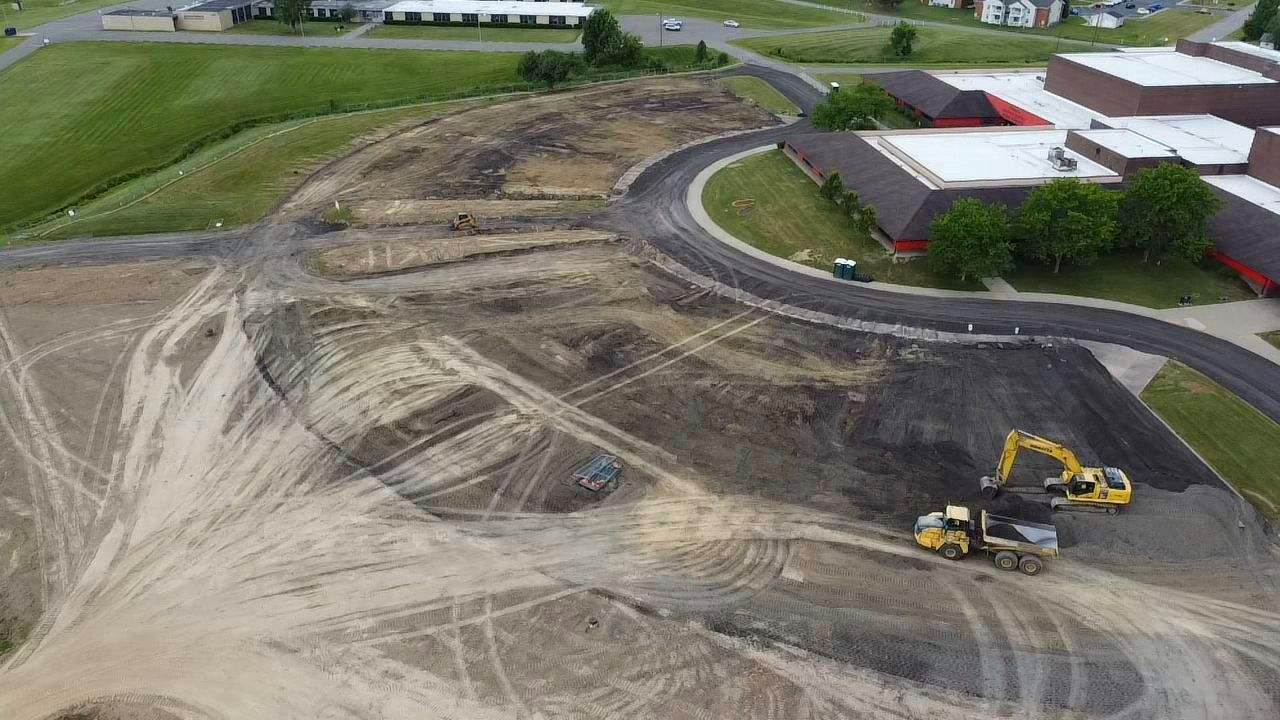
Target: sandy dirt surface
x=244, y=490
x=378, y=213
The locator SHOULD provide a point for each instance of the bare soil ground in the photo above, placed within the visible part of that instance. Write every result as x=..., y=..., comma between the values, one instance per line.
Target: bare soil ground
x=245, y=491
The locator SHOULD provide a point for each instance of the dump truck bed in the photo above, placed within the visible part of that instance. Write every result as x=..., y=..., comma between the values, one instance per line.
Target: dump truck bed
x=1005, y=533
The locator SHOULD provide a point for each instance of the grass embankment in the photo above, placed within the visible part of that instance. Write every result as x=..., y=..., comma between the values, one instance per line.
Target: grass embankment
x=1123, y=277
x=933, y=46
x=791, y=220
x=236, y=181
x=1271, y=337
x=751, y=13
x=437, y=32
x=1242, y=444
x=10, y=42
x=761, y=93
x=1162, y=28
x=83, y=117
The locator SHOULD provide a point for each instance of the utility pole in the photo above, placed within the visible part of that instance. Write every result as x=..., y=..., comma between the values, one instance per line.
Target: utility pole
x=659, y=16
x=478, y=30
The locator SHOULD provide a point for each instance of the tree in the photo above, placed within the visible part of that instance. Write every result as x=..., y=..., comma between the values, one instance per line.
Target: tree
x=1260, y=20
x=1274, y=27
x=604, y=42
x=902, y=38
x=889, y=4
x=291, y=12
x=549, y=67
x=1166, y=212
x=853, y=108
x=971, y=240
x=347, y=13
x=832, y=187
x=700, y=54
x=1066, y=220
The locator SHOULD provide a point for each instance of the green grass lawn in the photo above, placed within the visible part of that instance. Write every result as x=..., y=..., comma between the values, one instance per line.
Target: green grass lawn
x=10, y=42
x=751, y=13
x=236, y=181
x=1162, y=28
x=1242, y=444
x=1123, y=277
x=791, y=220
x=436, y=32
x=759, y=92
x=81, y=117
x=39, y=12
x=933, y=45
x=1271, y=337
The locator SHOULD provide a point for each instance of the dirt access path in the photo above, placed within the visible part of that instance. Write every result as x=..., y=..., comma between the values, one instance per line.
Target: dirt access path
x=359, y=489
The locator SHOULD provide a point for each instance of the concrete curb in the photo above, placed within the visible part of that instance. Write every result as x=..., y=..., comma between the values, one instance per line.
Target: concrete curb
x=693, y=199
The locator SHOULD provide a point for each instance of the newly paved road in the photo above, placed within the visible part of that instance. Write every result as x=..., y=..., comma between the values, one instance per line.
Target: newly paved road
x=1225, y=26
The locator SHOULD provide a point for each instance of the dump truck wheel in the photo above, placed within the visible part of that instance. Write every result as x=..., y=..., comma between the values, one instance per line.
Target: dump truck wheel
x=1030, y=565
x=951, y=551
x=1006, y=560
x=1113, y=510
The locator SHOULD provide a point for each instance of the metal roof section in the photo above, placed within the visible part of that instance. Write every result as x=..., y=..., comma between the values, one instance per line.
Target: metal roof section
x=1167, y=69
x=1198, y=139
x=1249, y=189
x=1005, y=157
x=1026, y=91
x=487, y=7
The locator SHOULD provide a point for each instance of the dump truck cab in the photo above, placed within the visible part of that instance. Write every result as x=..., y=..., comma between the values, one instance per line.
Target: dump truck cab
x=946, y=532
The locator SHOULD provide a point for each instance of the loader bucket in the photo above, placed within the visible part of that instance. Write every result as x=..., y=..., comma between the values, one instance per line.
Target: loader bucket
x=988, y=487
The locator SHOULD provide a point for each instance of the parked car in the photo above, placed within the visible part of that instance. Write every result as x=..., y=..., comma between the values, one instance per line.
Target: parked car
x=731, y=23
x=1203, y=11
x=672, y=25
x=1129, y=6
x=1143, y=11
x=1155, y=7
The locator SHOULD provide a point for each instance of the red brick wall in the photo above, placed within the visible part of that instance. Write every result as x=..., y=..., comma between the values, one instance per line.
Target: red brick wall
x=1013, y=114
x=1264, y=156
x=1042, y=17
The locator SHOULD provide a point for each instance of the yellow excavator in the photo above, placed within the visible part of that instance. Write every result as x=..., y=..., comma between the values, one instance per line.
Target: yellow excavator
x=1078, y=488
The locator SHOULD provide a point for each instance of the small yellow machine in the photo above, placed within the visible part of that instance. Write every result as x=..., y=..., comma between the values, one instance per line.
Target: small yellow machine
x=1014, y=544
x=1092, y=489
x=463, y=221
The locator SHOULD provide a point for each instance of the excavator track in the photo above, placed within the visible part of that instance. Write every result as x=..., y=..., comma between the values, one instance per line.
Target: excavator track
x=1059, y=504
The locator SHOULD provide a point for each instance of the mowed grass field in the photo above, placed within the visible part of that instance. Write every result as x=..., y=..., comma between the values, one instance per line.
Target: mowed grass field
x=759, y=92
x=788, y=218
x=235, y=181
x=1242, y=444
x=751, y=13
x=80, y=117
x=39, y=12
x=932, y=46
x=436, y=32
x=1123, y=277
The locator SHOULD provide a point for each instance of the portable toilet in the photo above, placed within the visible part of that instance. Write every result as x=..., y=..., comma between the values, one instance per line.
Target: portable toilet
x=835, y=87
x=851, y=269
x=837, y=269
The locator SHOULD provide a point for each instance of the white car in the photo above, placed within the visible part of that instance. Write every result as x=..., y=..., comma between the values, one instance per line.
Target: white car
x=731, y=23
x=1143, y=11
x=672, y=25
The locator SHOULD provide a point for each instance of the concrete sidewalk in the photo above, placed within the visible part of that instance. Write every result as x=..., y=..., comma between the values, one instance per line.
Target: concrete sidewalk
x=1236, y=322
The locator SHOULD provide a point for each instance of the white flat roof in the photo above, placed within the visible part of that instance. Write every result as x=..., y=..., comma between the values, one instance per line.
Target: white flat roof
x=1200, y=139
x=960, y=157
x=1128, y=143
x=1159, y=69
x=493, y=7
x=1273, y=55
x=1248, y=188
x=1026, y=91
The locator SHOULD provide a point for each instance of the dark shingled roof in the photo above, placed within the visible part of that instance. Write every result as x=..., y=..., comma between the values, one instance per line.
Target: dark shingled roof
x=904, y=205
x=934, y=97
x=1247, y=233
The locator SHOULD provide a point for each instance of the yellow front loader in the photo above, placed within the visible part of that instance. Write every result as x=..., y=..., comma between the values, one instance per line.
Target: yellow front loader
x=1092, y=489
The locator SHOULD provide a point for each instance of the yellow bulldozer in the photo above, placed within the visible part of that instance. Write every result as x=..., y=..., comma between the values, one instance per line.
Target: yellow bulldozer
x=1078, y=488
x=464, y=221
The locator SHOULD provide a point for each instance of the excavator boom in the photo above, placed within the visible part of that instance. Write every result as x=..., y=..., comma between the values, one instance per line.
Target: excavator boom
x=1084, y=488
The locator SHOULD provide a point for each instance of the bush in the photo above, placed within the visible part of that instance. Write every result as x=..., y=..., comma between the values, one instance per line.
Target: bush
x=700, y=54
x=854, y=108
x=548, y=67
x=902, y=38
x=723, y=59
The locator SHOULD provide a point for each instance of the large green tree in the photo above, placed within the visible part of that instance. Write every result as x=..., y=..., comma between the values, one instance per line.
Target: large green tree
x=1066, y=220
x=291, y=12
x=971, y=240
x=604, y=42
x=902, y=39
x=1261, y=19
x=1166, y=211
x=854, y=108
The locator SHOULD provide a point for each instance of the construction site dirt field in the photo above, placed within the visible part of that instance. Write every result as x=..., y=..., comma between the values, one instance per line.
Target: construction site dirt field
x=306, y=481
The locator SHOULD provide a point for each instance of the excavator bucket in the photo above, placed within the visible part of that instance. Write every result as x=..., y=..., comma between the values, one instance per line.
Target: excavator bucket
x=988, y=487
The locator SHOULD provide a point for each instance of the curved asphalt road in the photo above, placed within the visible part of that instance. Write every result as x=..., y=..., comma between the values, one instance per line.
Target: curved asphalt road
x=655, y=208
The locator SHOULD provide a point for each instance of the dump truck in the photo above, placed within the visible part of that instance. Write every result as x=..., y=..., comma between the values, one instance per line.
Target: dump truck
x=1077, y=488
x=599, y=472
x=1013, y=544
